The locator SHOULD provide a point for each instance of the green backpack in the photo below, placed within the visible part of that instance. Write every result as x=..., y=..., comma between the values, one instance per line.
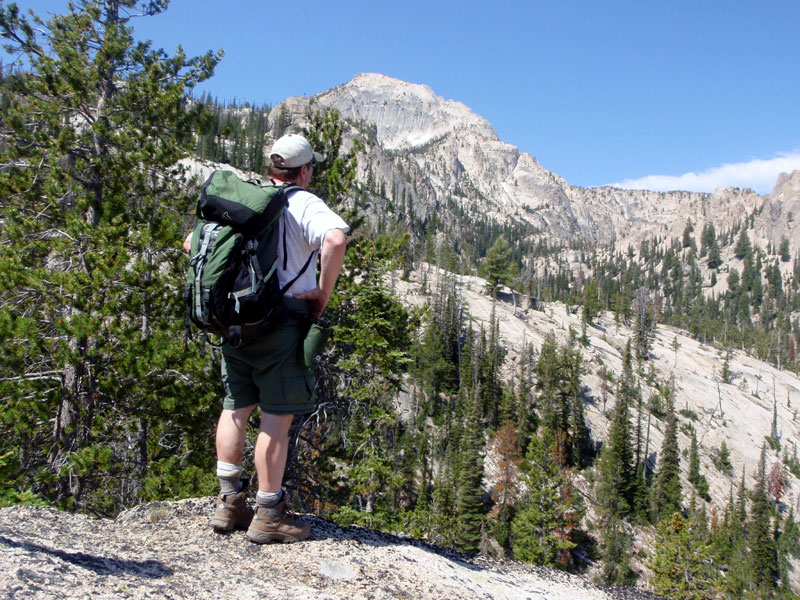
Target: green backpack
x=232, y=287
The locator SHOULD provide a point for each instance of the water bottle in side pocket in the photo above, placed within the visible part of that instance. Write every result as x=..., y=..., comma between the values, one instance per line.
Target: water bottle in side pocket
x=314, y=345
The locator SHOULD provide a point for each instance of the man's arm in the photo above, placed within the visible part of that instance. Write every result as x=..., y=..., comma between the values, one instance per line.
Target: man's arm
x=331, y=261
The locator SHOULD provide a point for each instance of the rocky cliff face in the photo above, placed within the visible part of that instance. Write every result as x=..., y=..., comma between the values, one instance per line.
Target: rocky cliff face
x=781, y=211
x=406, y=116
x=446, y=158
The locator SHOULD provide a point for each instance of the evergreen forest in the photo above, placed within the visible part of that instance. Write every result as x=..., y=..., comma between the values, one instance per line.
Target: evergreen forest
x=424, y=427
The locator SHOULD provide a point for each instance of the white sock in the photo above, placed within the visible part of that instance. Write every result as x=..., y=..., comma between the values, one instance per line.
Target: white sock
x=228, y=476
x=269, y=499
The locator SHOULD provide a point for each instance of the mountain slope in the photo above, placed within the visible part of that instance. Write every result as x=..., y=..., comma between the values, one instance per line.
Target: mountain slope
x=738, y=413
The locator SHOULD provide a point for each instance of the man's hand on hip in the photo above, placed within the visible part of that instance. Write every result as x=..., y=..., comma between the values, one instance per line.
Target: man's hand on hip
x=317, y=299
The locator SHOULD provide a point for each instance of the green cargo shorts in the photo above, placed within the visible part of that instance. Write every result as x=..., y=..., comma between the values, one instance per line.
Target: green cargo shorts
x=270, y=372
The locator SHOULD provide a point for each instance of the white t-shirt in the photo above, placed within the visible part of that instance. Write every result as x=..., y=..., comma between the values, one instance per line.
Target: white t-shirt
x=306, y=222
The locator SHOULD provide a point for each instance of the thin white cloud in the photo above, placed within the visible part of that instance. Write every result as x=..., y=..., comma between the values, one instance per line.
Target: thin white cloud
x=758, y=174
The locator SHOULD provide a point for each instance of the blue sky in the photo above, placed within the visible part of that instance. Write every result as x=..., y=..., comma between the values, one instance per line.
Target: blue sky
x=665, y=95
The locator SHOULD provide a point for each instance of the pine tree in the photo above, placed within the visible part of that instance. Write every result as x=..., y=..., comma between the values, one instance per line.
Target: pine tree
x=333, y=178
x=443, y=522
x=707, y=239
x=676, y=345
x=681, y=562
x=667, y=489
x=788, y=545
x=558, y=380
x=469, y=490
x=730, y=546
x=757, y=291
x=645, y=321
x=763, y=557
x=714, y=256
x=721, y=530
x=506, y=491
x=527, y=418
x=359, y=421
x=543, y=528
x=491, y=388
x=784, y=250
x=723, y=460
x=497, y=267
x=90, y=314
x=617, y=469
x=740, y=507
x=432, y=369
x=591, y=304
x=283, y=122
x=616, y=549
x=743, y=247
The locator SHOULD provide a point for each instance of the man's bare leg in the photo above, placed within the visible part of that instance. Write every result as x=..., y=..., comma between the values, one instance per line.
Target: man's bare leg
x=231, y=429
x=232, y=508
x=272, y=522
x=272, y=448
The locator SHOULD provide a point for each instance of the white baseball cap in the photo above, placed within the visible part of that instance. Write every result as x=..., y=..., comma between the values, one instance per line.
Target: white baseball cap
x=293, y=150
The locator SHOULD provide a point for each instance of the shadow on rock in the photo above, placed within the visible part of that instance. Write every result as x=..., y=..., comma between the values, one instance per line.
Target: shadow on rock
x=102, y=565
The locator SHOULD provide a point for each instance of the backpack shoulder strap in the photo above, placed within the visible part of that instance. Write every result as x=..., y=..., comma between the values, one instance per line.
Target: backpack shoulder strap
x=289, y=188
x=296, y=277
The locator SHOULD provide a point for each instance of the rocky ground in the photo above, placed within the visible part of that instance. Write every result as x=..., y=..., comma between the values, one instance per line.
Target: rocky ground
x=167, y=550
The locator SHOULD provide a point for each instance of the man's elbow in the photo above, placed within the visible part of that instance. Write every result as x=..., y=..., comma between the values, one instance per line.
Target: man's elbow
x=335, y=240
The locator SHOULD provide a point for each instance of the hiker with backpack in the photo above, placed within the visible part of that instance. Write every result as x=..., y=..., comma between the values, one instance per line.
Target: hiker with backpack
x=262, y=357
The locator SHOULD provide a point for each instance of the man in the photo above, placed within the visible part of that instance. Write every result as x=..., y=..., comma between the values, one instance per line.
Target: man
x=268, y=372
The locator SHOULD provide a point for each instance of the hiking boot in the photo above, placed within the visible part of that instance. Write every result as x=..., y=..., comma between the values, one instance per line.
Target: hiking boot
x=232, y=511
x=276, y=524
